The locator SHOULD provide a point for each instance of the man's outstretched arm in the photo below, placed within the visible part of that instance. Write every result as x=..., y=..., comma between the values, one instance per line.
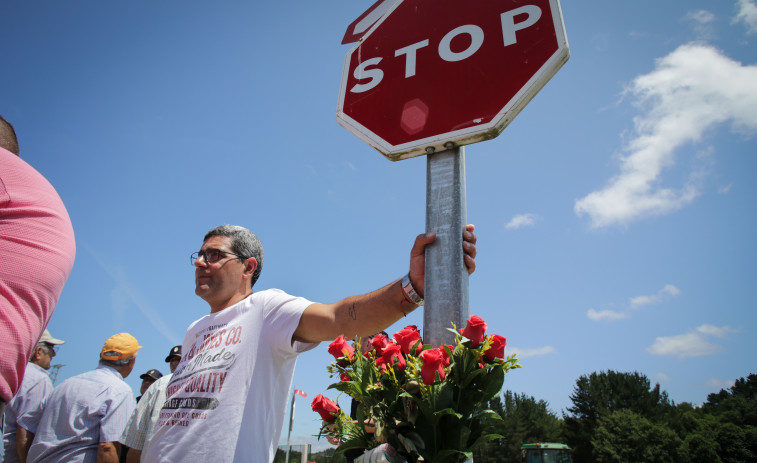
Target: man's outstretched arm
x=370, y=313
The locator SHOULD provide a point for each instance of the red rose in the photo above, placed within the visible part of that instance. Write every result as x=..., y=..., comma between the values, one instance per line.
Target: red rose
x=475, y=330
x=411, y=328
x=344, y=377
x=393, y=357
x=325, y=407
x=433, y=363
x=408, y=338
x=497, y=348
x=341, y=348
x=381, y=364
x=446, y=351
x=379, y=342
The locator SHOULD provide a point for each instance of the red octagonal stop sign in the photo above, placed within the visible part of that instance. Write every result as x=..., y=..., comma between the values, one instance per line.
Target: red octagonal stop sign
x=431, y=72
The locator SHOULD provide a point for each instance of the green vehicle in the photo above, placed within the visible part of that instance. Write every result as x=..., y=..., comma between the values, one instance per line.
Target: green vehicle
x=546, y=452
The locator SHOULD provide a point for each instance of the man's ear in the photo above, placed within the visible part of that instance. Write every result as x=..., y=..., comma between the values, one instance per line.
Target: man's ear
x=250, y=265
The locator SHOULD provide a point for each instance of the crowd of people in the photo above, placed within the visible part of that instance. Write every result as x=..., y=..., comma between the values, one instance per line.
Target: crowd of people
x=226, y=396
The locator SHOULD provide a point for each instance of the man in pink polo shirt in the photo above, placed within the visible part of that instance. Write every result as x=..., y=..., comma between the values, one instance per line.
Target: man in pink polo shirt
x=37, y=252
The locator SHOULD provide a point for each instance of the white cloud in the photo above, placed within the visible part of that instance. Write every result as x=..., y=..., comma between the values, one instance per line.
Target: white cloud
x=747, y=14
x=700, y=16
x=640, y=301
x=522, y=220
x=609, y=315
x=692, y=90
x=718, y=384
x=684, y=345
x=725, y=189
x=523, y=353
x=702, y=20
x=660, y=377
x=693, y=344
x=670, y=289
x=718, y=332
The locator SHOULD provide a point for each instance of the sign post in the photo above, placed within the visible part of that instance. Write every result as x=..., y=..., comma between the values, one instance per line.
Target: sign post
x=446, y=298
x=430, y=76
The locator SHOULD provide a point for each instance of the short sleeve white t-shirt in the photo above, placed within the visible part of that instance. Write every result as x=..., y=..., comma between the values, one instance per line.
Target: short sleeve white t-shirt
x=227, y=398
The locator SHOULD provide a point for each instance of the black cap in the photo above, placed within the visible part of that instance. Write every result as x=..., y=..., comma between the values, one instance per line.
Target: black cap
x=175, y=352
x=154, y=374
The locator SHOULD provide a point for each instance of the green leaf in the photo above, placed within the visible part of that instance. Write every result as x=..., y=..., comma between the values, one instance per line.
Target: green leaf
x=342, y=386
x=444, y=395
x=485, y=438
x=493, y=384
x=448, y=411
x=487, y=415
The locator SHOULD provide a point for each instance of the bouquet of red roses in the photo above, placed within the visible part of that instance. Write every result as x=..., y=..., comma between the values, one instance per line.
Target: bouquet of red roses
x=426, y=402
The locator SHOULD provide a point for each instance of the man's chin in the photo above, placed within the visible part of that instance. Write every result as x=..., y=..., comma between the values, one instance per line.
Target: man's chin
x=201, y=290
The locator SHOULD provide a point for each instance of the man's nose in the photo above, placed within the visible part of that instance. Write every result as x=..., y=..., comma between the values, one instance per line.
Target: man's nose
x=202, y=258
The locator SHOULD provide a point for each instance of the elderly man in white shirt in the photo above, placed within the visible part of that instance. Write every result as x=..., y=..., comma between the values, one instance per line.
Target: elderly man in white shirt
x=87, y=413
x=25, y=409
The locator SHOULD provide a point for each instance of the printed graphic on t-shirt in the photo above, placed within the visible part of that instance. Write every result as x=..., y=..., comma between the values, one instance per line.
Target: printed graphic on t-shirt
x=200, y=377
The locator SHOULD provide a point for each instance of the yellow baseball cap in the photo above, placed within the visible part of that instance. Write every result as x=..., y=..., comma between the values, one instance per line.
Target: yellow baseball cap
x=119, y=346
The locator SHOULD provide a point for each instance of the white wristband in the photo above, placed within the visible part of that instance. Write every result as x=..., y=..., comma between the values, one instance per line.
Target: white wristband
x=410, y=293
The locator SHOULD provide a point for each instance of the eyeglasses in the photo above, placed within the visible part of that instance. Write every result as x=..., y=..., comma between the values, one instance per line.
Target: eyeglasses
x=212, y=256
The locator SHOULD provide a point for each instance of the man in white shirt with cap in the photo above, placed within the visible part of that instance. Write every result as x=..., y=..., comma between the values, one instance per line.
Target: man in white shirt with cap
x=86, y=414
x=26, y=407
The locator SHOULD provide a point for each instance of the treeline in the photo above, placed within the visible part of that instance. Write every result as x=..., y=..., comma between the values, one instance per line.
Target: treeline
x=621, y=418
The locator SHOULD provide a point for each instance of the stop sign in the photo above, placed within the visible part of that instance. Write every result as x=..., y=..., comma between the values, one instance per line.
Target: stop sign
x=434, y=72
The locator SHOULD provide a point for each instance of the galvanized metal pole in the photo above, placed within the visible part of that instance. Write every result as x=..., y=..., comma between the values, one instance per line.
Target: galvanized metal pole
x=446, y=290
x=291, y=423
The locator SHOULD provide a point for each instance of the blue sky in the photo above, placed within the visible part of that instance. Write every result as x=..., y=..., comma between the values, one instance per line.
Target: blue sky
x=615, y=215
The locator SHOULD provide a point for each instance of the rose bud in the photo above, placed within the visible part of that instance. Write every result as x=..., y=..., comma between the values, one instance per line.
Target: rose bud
x=379, y=342
x=446, y=351
x=433, y=363
x=408, y=338
x=393, y=357
x=475, y=330
x=381, y=364
x=341, y=348
x=497, y=348
x=325, y=407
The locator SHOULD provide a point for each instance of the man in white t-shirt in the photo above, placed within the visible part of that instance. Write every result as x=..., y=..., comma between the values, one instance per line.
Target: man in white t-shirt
x=227, y=398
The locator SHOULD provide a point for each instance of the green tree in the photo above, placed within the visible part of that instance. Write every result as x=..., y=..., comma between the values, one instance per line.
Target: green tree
x=598, y=395
x=734, y=443
x=701, y=448
x=737, y=405
x=524, y=420
x=735, y=410
x=624, y=436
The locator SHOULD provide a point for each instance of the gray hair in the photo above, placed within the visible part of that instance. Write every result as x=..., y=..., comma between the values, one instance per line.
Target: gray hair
x=45, y=346
x=244, y=243
x=116, y=363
